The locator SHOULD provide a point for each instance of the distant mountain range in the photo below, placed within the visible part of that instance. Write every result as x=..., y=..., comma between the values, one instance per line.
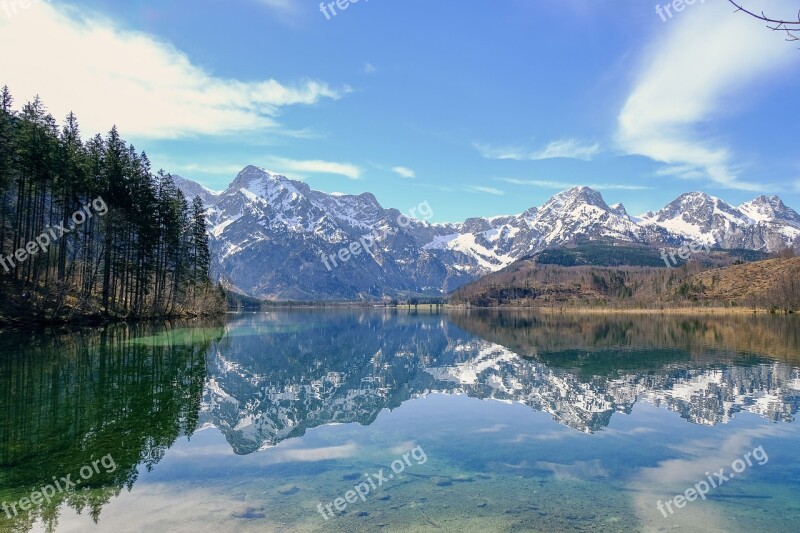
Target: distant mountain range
x=269, y=236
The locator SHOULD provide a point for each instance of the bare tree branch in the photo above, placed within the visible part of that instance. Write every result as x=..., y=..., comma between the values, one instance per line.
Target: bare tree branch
x=791, y=27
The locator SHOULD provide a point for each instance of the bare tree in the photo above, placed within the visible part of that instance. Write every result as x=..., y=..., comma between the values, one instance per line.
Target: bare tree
x=791, y=27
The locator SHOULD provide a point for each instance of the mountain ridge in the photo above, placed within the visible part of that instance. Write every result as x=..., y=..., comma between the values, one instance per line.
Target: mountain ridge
x=269, y=235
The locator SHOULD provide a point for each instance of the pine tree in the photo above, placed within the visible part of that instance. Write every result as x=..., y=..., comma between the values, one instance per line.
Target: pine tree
x=201, y=256
x=7, y=162
x=146, y=254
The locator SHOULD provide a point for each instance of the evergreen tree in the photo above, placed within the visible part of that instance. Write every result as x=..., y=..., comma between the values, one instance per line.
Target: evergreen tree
x=133, y=246
x=201, y=258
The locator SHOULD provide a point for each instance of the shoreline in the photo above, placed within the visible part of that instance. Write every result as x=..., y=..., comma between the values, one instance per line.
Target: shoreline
x=716, y=310
x=7, y=324
x=636, y=310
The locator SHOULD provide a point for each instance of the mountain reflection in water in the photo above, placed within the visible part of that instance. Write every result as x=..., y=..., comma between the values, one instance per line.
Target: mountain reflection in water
x=132, y=391
x=274, y=376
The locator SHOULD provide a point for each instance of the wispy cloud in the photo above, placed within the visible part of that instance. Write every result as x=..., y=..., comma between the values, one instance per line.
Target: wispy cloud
x=442, y=188
x=686, y=172
x=312, y=455
x=146, y=86
x=547, y=184
x=189, y=168
x=706, y=59
x=279, y=5
x=348, y=170
x=497, y=428
x=571, y=149
x=369, y=68
x=287, y=11
x=404, y=172
x=487, y=190
x=305, y=134
x=562, y=148
x=577, y=471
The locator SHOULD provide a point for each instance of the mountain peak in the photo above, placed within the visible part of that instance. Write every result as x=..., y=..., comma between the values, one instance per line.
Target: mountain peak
x=580, y=195
x=620, y=210
x=580, y=189
x=773, y=201
x=191, y=189
x=769, y=209
x=700, y=202
x=695, y=197
x=251, y=173
x=257, y=182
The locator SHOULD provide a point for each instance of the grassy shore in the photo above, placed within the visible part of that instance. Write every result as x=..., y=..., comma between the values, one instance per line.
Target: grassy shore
x=630, y=311
x=428, y=308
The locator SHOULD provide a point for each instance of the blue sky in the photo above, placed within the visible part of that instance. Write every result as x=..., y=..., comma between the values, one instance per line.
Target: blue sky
x=479, y=108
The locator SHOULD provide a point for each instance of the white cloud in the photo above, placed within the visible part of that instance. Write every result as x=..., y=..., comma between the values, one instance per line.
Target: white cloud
x=311, y=455
x=562, y=148
x=279, y=5
x=547, y=184
x=348, y=170
x=79, y=61
x=487, y=190
x=687, y=172
x=190, y=168
x=708, y=56
x=369, y=68
x=404, y=172
x=569, y=148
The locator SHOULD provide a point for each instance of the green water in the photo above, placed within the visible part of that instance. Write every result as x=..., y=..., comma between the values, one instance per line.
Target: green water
x=493, y=421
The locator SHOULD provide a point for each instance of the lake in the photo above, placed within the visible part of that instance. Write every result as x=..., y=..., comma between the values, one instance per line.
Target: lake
x=404, y=421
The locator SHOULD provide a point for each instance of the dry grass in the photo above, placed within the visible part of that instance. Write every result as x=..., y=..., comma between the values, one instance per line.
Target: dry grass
x=749, y=281
x=772, y=284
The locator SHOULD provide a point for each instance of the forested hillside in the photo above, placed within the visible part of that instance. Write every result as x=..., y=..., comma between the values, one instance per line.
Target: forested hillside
x=772, y=284
x=87, y=230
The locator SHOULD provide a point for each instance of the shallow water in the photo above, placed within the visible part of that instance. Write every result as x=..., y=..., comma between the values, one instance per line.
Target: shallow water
x=487, y=421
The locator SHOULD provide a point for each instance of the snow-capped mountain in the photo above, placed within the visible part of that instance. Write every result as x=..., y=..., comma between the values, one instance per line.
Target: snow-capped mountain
x=275, y=237
x=761, y=224
x=769, y=209
x=577, y=213
x=191, y=189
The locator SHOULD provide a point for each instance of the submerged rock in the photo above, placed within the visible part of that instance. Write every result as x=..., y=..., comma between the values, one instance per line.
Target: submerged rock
x=249, y=513
x=288, y=490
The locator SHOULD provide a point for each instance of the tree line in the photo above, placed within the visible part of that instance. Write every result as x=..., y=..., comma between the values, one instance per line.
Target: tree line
x=768, y=284
x=88, y=230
